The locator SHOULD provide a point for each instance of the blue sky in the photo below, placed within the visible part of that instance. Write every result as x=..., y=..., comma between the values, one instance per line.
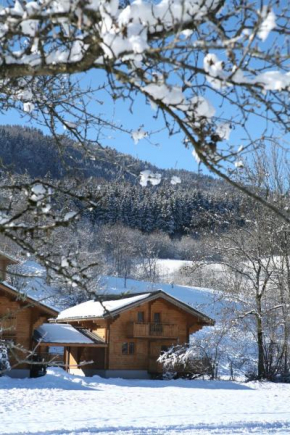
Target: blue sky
x=161, y=150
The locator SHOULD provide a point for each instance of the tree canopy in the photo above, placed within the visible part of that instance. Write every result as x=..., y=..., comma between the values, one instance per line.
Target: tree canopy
x=209, y=67
x=215, y=71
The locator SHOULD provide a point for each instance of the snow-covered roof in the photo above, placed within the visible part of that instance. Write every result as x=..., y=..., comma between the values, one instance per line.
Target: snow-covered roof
x=57, y=333
x=96, y=309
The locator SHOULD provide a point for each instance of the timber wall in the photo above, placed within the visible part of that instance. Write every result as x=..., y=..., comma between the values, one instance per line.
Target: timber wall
x=146, y=349
x=23, y=319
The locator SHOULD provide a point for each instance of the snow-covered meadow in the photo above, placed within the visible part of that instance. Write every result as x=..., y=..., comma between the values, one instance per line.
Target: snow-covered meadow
x=206, y=300
x=59, y=404
x=63, y=404
x=232, y=346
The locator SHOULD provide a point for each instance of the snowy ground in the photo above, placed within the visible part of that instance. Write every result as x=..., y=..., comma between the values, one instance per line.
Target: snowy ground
x=206, y=300
x=61, y=404
x=64, y=404
x=168, y=268
x=234, y=345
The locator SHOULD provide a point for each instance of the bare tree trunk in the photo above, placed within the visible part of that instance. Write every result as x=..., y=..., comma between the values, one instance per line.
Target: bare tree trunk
x=261, y=361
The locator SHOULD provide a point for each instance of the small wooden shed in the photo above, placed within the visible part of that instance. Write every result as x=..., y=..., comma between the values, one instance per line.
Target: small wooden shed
x=71, y=342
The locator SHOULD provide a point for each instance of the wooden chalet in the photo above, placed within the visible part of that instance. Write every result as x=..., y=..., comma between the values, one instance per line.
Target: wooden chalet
x=19, y=316
x=123, y=337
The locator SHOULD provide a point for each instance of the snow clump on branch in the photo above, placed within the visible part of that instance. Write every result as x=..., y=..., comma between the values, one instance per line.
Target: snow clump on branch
x=149, y=177
x=175, y=180
x=122, y=30
x=138, y=135
x=268, y=24
x=218, y=78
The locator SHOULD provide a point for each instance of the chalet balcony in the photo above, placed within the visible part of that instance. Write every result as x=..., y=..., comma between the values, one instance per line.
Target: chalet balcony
x=153, y=330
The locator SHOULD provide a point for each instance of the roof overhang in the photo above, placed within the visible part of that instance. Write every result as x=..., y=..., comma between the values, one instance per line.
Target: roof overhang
x=27, y=300
x=65, y=344
x=202, y=318
x=78, y=319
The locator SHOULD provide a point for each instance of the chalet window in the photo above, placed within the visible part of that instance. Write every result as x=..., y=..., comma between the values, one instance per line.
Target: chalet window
x=140, y=317
x=128, y=348
x=8, y=327
x=156, y=327
x=157, y=318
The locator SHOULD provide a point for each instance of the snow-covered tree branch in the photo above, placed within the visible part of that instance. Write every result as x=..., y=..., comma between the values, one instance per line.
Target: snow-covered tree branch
x=215, y=71
x=210, y=67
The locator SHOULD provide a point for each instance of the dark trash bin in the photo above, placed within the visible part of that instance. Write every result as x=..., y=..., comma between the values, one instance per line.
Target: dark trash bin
x=38, y=368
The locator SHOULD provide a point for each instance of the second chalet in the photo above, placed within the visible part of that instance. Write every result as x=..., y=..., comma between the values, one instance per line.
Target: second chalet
x=20, y=315
x=123, y=337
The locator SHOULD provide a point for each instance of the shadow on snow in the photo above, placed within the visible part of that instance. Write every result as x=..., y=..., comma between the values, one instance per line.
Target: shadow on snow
x=178, y=383
x=58, y=379
x=47, y=382
x=217, y=429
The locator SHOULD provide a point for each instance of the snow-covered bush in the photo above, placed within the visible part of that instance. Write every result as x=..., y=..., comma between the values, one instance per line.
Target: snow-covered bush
x=186, y=361
x=4, y=359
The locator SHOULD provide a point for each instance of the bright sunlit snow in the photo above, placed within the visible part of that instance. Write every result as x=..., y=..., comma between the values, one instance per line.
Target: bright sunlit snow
x=62, y=404
x=98, y=309
x=58, y=333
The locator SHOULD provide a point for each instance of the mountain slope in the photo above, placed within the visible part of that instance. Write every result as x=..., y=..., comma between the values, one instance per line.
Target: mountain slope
x=197, y=203
x=29, y=150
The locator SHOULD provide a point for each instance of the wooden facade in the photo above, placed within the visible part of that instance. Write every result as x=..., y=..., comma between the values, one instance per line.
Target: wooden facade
x=19, y=316
x=136, y=335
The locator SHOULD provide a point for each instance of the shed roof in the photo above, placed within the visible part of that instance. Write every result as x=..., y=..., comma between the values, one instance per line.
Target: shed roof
x=96, y=309
x=63, y=334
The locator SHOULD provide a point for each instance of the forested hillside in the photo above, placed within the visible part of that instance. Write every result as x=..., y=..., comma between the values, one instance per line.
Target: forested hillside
x=29, y=150
x=187, y=207
x=171, y=209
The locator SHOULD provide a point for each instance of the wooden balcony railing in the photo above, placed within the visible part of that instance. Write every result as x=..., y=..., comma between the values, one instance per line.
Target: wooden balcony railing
x=160, y=330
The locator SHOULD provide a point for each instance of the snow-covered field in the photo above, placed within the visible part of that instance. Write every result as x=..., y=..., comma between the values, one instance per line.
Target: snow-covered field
x=168, y=268
x=206, y=300
x=64, y=404
x=211, y=302
x=233, y=345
